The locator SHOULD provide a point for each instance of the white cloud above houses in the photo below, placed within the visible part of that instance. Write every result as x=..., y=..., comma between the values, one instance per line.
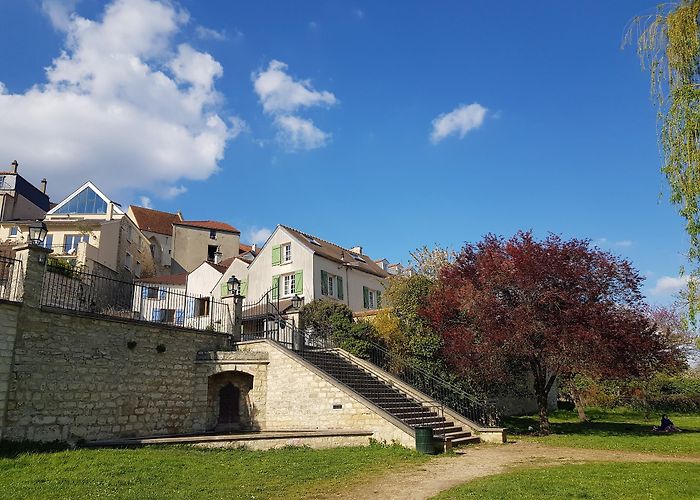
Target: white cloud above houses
x=460, y=121
x=121, y=105
x=282, y=97
x=257, y=235
x=669, y=285
x=205, y=33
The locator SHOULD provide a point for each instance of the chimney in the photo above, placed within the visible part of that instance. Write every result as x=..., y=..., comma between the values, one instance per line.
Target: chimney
x=179, y=214
x=357, y=249
x=254, y=247
x=43, y=185
x=14, y=165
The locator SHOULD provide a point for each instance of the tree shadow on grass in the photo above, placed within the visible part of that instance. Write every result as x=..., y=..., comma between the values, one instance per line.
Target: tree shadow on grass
x=530, y=424
x=13, y=449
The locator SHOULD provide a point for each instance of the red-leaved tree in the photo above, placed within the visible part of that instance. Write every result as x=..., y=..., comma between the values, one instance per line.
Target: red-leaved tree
x=553, y=307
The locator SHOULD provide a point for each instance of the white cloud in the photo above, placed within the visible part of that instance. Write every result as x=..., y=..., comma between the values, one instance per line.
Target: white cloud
x=59, y=12
x=298, y=133
x=359, y=13
x=280, y=93
x=668, y=285
x=121, y=106
x=146, y=202
x=210, y=34
x=173, y=191
x=618, y=243
x=257, y=235
x=461, y=120
x=281, y=96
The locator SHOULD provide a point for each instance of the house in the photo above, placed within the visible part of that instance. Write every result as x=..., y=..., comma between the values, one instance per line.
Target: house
x=157, y=226
x=195, y=242
x=183, y=299
x=90, y=230
x=296, y=263
x=19, y=199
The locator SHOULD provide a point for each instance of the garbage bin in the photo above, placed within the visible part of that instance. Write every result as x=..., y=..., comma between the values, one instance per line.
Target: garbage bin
x=424, y=440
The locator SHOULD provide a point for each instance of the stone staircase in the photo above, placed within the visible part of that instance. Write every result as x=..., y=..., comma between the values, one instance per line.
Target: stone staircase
x=404, y=407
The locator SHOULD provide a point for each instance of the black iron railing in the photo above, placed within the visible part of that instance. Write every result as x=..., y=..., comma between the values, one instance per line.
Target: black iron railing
x=441, y=390
x=11, y=278
x=79, y=291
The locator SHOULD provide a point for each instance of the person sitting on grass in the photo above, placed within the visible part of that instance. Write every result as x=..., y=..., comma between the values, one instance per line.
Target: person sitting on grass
x=666, y=425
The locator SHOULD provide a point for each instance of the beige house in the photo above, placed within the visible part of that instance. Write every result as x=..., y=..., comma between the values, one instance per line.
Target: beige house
x=195, y=242
x=157, y=226
x=296, y=263
x=90, y=230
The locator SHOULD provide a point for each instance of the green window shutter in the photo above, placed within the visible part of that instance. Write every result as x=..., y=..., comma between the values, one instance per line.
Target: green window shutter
x=275, y=286
x=340, y=287
x=244, y=288
x=379, y=299
x=224, y=289
x=365, y=297
x=324, y=283
x=299, y=283
x=276, y=255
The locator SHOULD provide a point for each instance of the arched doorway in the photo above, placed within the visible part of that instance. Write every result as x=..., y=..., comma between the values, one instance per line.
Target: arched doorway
x=229, y=405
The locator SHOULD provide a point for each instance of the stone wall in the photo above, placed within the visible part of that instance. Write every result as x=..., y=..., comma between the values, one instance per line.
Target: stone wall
x=9, y=313
x=299, y=396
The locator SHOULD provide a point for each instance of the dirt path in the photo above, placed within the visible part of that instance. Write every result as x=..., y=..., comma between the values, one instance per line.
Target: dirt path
x=441, y=474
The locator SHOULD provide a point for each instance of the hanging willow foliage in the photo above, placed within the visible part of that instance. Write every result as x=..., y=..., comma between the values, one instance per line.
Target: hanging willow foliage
x=668, y=44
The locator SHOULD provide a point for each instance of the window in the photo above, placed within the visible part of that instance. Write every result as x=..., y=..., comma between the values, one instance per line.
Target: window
x=288, y=285
x=287, y=252
x=13, y=231
x=71, y=241
x=202, y=307
x=167, y=315
x=137, y=269
x=212, y=234
x=331, y=285
x=48, y=241
x=127, y=261
x=85, y=202
x=372, y=299
x=152, y=292
x=211, y=252
x=128, y=233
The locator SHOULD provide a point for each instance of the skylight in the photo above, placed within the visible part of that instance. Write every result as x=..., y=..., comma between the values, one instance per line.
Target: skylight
x=313, y=241
x=357, y=257
x=85, y=202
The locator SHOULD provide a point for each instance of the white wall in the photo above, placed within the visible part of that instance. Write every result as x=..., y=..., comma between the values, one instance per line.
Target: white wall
x=201, y=281
x=239, y=269
x=261, y=271
x=353, y=281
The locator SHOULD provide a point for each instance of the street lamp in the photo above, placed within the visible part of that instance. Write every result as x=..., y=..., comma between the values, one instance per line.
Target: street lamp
x=233, y=286
x=296, y=301
x=37, y=233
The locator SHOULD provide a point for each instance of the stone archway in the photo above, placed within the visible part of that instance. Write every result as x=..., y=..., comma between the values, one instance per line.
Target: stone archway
x=228, y=402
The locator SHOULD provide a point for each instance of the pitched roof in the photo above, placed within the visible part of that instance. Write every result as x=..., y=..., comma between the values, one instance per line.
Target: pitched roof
x=337, y=253
x=89, y=186
x=208, y=224
x=243, y=248
x=154, y=221
x=168, y=279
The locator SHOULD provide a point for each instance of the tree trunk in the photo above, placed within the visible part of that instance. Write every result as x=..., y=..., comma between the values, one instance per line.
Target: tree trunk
x=544, y=414
x=578, y=403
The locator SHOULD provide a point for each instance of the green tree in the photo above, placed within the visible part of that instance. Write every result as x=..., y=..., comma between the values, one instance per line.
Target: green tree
x=668, y=44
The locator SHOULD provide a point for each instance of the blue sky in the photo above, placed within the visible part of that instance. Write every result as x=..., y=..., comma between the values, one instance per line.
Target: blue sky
x=384, y=124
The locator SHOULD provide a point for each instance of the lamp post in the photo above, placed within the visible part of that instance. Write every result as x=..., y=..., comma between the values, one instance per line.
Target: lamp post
x=37, y=233
x=296, y=301
x=233, y=286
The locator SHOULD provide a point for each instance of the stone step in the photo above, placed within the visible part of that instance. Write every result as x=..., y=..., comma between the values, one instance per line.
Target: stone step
x=457, y=435
x=465, y=441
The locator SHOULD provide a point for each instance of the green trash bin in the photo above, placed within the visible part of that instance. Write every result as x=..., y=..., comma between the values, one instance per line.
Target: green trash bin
x=424, y=440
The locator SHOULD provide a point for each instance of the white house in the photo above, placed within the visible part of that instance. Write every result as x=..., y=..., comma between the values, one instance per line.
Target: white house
x=296, y=263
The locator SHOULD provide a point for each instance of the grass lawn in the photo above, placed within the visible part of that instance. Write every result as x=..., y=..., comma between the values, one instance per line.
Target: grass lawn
x=614, y=430
x=187, y=472
x=589, y=481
